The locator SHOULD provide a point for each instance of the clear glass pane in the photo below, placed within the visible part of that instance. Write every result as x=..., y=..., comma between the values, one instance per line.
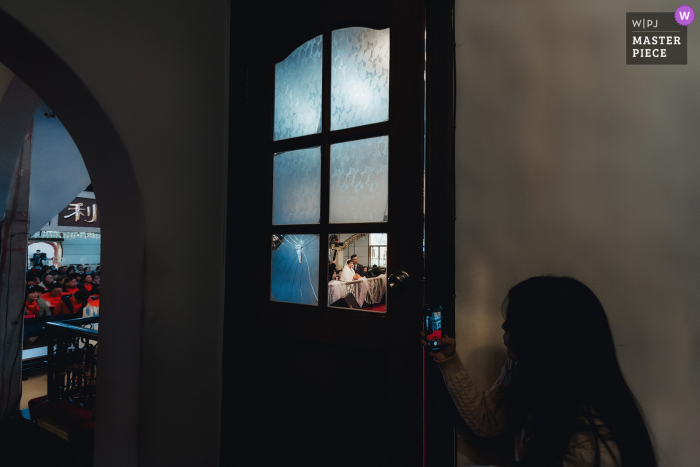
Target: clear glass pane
x=297, y=187
x=295, y=269
x=355, y=280
x=378, y=256
x=298, y=82
x=359, y=190
x=359, y=77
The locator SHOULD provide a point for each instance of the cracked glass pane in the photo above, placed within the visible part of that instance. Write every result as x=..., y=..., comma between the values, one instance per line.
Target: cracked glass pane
x=295, y=268
x=359, y=77
x=359, y=188
x=297, y=187
x=298, y=83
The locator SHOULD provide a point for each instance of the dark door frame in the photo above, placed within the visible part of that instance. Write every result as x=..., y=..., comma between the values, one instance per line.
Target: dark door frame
x=440, y=445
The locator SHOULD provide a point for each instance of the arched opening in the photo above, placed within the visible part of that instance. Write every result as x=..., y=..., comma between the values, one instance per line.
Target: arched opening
x=115, y=184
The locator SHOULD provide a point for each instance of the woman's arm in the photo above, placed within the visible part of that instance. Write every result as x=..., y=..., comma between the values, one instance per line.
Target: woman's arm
x=479, y=409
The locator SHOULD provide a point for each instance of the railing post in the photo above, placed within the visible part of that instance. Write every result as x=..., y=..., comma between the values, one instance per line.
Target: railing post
x=51, y=365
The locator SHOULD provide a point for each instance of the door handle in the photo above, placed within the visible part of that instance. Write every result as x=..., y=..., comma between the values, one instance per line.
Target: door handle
x=399, y=281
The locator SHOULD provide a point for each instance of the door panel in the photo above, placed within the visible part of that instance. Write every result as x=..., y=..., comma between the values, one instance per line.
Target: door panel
x=313, y=419
x=319, y=384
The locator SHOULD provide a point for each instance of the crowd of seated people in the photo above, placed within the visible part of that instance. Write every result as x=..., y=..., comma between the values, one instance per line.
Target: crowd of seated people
x=57, y=291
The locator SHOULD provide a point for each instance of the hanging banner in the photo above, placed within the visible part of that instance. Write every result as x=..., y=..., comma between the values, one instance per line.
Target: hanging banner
x=82, y=212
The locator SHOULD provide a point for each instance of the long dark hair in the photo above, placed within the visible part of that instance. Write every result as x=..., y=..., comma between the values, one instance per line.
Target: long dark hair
x=567, y=378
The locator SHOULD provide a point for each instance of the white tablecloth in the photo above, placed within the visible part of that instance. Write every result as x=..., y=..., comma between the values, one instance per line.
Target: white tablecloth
x=364, y=290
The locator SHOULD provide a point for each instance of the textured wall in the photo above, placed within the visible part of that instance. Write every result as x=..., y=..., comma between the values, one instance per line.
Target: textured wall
x=569, y=162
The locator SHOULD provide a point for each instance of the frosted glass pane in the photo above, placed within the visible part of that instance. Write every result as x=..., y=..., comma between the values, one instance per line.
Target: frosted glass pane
x=295, y=269
x=359, y=190
x=359, y=77
x=377, y=239
x=297, y=187
x=298, y=96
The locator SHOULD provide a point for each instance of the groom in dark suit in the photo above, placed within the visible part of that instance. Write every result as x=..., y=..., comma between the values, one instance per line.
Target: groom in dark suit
x=357, y=267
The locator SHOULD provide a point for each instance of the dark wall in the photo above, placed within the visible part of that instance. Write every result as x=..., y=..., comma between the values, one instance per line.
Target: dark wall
x=159, y=73
x=571, y=162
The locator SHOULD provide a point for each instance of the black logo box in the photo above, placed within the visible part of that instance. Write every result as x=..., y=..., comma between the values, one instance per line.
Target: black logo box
x=656, y=25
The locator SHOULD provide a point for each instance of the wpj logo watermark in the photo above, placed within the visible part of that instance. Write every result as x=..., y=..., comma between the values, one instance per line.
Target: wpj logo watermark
x=659, y=38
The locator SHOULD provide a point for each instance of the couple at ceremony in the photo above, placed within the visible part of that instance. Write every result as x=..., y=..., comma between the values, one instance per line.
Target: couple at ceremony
x=353, y=270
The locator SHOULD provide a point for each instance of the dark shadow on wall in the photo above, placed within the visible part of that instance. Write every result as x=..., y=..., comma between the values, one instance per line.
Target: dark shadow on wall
x=123, y=232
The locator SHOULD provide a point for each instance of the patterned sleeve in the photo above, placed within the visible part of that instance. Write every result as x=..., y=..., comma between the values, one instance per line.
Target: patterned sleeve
x=479, y=409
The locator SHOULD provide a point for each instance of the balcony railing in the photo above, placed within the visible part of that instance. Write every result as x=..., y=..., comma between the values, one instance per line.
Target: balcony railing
x=72, y=361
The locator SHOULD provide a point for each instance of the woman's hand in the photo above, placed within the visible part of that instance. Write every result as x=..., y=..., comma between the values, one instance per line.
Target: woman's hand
x=448, y=345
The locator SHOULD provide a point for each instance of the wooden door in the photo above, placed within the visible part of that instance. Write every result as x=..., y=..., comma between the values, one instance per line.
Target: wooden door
x=307, y=383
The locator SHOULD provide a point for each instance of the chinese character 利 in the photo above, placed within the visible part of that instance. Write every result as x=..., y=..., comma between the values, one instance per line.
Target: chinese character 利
x=78, y=208
x=94, y=214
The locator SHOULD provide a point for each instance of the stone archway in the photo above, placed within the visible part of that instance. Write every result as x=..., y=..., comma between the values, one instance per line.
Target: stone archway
x=55, y=248
x=123, y=231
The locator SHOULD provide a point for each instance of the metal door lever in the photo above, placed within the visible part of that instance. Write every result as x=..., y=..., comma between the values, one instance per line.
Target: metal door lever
x=398, y=281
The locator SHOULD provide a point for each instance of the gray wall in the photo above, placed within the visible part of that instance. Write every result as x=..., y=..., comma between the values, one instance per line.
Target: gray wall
x=81, y=250
x=569, y=162
x=160, y=72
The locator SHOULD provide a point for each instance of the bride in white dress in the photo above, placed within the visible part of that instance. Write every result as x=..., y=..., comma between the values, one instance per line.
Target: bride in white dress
x=347, y=273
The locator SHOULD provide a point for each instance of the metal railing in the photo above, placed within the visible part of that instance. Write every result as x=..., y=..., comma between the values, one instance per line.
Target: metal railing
x=72, y=361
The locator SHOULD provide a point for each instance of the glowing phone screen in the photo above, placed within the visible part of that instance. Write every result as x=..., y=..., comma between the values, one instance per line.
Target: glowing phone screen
x=433, y=325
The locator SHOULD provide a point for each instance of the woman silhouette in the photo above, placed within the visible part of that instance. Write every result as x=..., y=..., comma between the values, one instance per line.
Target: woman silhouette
x=561, y=392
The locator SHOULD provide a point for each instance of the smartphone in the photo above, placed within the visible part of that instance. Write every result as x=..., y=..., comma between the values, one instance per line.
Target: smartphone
x=433, y=326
